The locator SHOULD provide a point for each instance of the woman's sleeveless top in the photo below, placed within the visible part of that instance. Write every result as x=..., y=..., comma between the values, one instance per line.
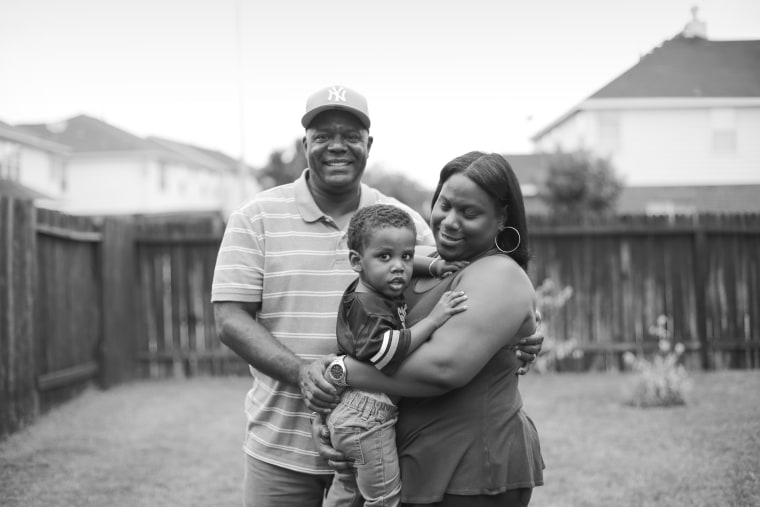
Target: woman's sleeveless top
x=473, y=440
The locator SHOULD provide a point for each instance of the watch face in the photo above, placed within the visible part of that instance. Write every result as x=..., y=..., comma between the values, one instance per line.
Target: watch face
x=336, y=372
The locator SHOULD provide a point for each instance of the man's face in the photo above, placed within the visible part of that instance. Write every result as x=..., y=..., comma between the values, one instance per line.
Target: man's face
x=337, y=146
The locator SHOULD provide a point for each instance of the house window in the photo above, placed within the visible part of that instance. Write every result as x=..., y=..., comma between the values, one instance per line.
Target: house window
x=63, y=171
x=162, y=177
x=608, y=123
x=723, y=125
x=10, y=161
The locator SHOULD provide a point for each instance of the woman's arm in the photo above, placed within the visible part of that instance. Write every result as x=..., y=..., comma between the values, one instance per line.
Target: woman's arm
x=501, y=310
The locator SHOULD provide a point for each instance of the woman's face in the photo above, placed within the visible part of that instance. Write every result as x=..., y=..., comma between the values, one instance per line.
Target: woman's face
x=464, y=219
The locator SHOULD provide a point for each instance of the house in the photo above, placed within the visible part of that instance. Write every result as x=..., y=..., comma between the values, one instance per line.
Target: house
x=43, y=162
x=109, y=170
x=235, y=183
x=689, y=107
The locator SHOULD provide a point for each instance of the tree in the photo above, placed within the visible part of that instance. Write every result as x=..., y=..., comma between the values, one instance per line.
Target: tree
x=398, y=185
x=580, y=185
x=283, y=166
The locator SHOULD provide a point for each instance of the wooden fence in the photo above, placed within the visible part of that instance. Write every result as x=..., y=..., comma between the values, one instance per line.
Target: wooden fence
x=175, y=331
x=702, y=272
x=109, y=299
x=114, y=299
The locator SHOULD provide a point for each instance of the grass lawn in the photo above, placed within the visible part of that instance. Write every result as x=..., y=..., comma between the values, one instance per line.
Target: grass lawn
x=178, y=443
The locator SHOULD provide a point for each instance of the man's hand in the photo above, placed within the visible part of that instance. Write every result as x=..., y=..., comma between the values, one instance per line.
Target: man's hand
x=319, y=394
x=321, y=436
x=529, y=348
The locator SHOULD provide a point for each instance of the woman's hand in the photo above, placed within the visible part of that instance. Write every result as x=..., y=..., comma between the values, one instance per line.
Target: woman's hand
x=529, y=348
x=321, y=436
x=319, y=395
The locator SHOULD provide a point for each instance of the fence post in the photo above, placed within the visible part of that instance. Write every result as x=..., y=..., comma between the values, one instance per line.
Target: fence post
x=117, y=347
x=701, y=271
x=18, y=256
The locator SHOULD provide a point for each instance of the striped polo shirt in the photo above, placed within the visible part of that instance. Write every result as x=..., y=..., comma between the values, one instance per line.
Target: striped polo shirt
x=281, y=250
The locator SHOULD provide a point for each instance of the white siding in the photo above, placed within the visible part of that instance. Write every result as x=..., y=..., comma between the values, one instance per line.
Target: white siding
x=660, y=146
x=103, y=184
x=41, y=170
x=128, y=183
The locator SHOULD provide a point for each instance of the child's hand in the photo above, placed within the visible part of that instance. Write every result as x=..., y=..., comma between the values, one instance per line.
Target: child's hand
x=441, y=268
x=449, y=304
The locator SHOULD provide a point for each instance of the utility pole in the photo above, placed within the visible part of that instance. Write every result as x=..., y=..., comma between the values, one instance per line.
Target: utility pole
x=241, y=100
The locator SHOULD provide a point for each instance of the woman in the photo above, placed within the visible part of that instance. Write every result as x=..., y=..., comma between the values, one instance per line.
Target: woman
x=462, y=436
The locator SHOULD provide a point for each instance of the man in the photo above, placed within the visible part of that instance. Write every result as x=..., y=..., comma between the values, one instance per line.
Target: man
x=281, y=270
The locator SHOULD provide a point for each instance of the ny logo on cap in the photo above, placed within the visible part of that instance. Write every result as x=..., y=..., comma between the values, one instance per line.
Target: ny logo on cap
x=337, y=93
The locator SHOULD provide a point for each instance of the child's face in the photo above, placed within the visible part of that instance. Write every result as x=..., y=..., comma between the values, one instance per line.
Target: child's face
x=386, y=264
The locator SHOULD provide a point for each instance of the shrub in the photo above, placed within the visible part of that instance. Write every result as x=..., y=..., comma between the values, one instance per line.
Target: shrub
x=663, y=381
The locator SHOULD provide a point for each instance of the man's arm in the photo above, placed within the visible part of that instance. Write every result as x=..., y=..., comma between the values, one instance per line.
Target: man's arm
x=239, y=330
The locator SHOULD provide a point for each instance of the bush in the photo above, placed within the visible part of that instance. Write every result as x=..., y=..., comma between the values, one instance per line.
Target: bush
x=581, y=186
x=663, y=381
x=551, y=299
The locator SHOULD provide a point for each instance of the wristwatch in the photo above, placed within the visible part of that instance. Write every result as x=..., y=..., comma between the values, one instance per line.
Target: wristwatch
x=336, y=371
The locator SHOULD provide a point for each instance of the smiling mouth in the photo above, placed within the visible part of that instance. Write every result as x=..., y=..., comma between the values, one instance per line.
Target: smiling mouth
x=449, y=239
x=337, y=163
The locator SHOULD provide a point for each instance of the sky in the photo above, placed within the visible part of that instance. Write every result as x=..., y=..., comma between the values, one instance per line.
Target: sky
x=442, y=77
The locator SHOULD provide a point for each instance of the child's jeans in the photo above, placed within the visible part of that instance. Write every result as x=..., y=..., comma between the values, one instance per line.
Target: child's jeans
x=362, y=428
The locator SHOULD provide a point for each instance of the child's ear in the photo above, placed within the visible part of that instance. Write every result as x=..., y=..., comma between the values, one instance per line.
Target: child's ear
x=355, y=259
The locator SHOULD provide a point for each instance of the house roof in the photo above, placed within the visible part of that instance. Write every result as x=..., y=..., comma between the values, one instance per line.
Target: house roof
x=691, y=67
x=675, y=199
x=87, y=134
x=682, y=68
x=9, y=188
x=198, y=155
x=690, y=198
x=21, y=136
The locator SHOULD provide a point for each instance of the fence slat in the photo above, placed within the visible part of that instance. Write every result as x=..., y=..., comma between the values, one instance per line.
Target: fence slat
x=118, y=343
x=18, y=394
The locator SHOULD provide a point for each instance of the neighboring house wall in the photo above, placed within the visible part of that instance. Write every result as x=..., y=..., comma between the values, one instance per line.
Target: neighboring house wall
x=94, y=180
x=142, y=184
x=36, y=168
x=103, y=169
x=179, y=185
x=666, y=142
x=43, y=171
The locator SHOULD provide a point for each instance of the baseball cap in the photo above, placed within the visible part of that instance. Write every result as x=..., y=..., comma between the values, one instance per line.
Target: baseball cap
x=336, y=97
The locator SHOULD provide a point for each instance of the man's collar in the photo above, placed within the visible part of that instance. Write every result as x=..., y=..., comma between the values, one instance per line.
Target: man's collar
x=306, y=204
x=307, y=207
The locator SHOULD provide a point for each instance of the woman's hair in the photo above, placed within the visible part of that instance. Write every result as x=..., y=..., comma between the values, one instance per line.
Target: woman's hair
x=370, y=219
x=492, y=173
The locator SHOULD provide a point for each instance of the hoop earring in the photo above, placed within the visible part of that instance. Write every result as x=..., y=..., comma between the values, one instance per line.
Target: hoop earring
x=496, y=241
